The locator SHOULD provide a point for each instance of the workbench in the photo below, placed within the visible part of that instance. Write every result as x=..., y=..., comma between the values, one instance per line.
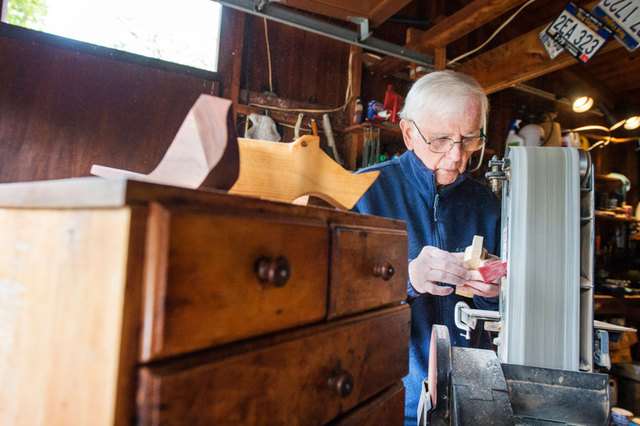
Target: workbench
x=133, y=303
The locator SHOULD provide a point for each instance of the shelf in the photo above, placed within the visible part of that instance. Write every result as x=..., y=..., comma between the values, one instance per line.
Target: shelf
x=623, y=306
x=615, y=217
x=392, y=127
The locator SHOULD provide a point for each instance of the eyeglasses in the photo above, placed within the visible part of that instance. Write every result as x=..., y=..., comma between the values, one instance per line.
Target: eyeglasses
x=443, y=145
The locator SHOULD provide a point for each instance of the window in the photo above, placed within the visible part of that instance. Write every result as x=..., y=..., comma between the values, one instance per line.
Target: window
x=186, y=32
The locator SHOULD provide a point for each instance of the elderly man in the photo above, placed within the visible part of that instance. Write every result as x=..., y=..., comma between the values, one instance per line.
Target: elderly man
x=429, y=188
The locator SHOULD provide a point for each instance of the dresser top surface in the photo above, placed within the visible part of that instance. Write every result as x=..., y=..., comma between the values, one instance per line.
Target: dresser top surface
x=97, y=192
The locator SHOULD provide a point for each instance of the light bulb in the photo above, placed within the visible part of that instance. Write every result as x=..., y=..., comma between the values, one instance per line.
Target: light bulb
x=582, y=104
x=632, y=123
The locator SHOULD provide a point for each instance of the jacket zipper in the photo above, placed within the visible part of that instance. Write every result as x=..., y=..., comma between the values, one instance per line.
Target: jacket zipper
x=440, y=244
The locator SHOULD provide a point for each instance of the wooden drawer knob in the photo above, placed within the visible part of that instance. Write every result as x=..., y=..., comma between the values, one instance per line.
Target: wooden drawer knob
x=275, y=271
x=341, y=381
x=384, y=271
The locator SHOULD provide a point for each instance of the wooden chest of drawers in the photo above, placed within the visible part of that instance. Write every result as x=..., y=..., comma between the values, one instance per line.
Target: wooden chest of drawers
x=132, y=303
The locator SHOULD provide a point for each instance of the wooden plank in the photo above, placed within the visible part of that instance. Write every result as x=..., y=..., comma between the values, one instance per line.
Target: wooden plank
x=355, y=71
x=461, y=23
x=231, y=44
x=286, y=171
x=203, y=154
x=61, y=305
x=96, y=192
x=518, y=60
x=385, y=10
x=440, y=59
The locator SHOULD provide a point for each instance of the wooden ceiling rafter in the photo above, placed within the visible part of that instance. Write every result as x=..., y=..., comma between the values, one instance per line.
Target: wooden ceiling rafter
x=520, y=59
x=461, y=23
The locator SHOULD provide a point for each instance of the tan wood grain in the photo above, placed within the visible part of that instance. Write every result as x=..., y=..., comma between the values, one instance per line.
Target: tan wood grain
x=287, y=171
x=355, y=253
x=288, y=379
x=62, y=303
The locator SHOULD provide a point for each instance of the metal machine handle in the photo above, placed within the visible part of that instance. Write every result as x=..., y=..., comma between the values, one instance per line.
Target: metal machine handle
x=384, y=271
x=275, y=271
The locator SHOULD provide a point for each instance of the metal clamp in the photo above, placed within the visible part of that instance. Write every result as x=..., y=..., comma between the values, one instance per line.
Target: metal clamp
x=497, y=173
x=363, y=23
x=466, y=319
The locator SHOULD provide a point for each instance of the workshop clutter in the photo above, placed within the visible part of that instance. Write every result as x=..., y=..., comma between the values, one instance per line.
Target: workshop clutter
x=387, y=111
x=628, y=377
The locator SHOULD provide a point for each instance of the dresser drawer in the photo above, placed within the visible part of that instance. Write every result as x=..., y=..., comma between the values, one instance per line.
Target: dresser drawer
x=368, y=269
x=214, y=279
x=305, y=377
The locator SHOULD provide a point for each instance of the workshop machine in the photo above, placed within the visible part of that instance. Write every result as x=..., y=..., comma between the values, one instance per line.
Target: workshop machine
x=542, y=371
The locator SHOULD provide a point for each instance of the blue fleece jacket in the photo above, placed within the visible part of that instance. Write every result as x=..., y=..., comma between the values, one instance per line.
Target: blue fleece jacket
x=447, y=218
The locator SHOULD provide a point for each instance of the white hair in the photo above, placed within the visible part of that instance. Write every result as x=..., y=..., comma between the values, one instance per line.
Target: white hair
x=443, y=94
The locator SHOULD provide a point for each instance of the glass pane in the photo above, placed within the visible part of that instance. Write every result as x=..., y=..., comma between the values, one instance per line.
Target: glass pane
x=181, y=31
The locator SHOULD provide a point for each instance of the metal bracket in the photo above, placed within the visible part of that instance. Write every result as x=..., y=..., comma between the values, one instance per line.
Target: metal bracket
x=466, y=319
x=363, y=23
x=265, y=9
x=260, y=5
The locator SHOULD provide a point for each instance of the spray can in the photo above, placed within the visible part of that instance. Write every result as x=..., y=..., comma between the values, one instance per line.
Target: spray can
x=513, y=139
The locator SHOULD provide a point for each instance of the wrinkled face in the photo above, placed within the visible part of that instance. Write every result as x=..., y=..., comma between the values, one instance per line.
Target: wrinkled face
x=446, y=166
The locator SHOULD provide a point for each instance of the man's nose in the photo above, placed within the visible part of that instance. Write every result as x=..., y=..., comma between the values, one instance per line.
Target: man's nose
x=456, y=152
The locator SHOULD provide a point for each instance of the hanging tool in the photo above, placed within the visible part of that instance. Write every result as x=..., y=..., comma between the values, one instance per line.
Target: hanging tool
x=314, y=127
x=296, y=129
x=376, y=151
x=326, y=124
x=366, y=147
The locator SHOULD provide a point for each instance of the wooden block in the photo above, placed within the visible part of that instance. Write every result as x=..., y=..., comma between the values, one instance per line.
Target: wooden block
x=203, y=154
x=287, y=171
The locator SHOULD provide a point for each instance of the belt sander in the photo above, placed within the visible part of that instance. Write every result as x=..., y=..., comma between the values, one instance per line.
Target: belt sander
x=542, y=371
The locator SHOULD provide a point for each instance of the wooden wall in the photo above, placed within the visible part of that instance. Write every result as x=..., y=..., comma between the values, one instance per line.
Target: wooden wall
x=63, y=109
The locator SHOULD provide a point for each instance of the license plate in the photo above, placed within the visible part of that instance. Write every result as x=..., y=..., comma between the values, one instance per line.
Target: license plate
x=623, y=17
x=578, y=32
x=552, y=47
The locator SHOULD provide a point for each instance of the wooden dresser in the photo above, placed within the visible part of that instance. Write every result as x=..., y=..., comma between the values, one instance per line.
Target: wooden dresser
x=131, y=303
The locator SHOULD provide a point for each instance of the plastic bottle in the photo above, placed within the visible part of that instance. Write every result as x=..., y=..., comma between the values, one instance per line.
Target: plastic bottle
x=533, y=134
x=357, y=115
x=513, y=139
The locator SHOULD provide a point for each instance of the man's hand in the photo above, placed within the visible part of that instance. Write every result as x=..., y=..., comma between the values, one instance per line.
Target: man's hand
x=435, y=265
x=476, y=284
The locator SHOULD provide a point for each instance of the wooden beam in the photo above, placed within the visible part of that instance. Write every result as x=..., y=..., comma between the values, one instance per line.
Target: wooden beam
x=519, y=60
x=461, y=23
x=440, y=59
x=385, y=10
x=355, y=54
x=230, y=63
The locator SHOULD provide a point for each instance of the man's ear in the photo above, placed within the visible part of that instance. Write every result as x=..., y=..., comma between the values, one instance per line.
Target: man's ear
x=407, y=133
